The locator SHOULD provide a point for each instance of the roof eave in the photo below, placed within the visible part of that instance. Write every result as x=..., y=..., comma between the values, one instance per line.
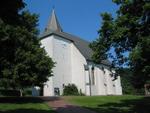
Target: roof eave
x=53, y=33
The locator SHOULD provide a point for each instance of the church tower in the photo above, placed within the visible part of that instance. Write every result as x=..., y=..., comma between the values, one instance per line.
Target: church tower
x=53, y=24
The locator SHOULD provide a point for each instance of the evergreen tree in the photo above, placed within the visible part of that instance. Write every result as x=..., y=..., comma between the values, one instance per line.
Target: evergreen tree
x=23, y=63
x=128, y=33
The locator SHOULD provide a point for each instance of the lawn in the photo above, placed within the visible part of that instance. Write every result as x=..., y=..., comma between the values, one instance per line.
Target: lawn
x=113, y=104
x=23, y=105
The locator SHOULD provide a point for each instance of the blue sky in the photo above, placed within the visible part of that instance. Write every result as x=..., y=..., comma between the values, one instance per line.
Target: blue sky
x=77, y=17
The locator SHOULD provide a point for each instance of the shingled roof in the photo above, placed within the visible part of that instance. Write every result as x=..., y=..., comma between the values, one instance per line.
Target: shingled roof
x=54, y=28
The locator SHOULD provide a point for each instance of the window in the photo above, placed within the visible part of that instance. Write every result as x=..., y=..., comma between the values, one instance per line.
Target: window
x=103, y=70
x=92, y=76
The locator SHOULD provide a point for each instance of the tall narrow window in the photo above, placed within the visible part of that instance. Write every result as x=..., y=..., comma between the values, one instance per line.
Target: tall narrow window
x=92, y=76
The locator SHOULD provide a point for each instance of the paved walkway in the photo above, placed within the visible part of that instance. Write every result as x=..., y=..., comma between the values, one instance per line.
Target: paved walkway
x=60, y=106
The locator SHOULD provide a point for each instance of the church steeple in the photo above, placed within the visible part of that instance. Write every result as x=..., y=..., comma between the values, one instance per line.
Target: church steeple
x=53, y=24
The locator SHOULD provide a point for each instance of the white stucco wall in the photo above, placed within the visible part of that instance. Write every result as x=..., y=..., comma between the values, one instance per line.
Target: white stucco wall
x=78, y=72
x=109, y=78
x=62, y=57
x=48, y=88
x=94, y=87
x=59, y=50
x=47, y=43
x=101, y=86
x=105, y=84
x=101, y=81
x=118, y=87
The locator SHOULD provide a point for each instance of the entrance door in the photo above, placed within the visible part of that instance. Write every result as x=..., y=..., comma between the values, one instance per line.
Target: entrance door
x=56, y=91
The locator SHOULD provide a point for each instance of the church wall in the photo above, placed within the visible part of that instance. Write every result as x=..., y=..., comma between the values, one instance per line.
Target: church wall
x=104, y=82
x=113, y=85
x=118, y=87
x=109, y=82
x=87, y=83
x=94, y=86
x=101, y=82
x=117, y=84
x=47, y=43
x=62, y=57
x=99, y=87
x=78, y=72
x=59, y=49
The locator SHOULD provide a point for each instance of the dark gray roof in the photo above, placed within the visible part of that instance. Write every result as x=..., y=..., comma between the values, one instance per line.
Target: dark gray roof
x=54, y=28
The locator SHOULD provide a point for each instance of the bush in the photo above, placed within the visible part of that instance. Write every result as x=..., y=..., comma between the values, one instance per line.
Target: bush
x=27, y=92
x=70, y=89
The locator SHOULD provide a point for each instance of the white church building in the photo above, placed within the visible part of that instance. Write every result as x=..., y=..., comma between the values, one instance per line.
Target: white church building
x=74, y=64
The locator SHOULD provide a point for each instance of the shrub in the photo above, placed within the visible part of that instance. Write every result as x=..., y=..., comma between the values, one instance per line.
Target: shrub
x=70, y=89
x=27, y=92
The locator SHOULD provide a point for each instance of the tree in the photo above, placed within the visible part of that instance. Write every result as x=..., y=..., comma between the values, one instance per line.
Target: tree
x=126, y=81
x=128, y=36
x=23, y=63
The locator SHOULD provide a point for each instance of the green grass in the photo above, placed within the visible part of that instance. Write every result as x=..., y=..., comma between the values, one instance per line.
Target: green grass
x=23, y=105
x=113, y=104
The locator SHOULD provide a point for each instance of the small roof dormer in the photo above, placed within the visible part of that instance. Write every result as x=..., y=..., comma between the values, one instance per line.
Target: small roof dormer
x=53, y=24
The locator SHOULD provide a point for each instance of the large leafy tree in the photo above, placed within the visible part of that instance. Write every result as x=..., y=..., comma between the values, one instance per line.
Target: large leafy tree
x=126, y=81
x=23, y=63
x=126, y=39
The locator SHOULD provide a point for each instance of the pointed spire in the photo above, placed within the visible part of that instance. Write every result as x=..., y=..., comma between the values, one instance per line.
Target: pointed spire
x=53, y=24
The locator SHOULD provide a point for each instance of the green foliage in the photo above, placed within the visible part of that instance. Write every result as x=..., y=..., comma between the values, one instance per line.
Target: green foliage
x=9, y=11
x=27, y=92
x=23, y=62
x=128, y=33
x=70, y=89
x=126, y=81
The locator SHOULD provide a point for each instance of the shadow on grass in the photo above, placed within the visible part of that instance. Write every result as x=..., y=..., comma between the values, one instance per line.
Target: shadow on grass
x=23, y=100
x=125, y=106
x=27, y=111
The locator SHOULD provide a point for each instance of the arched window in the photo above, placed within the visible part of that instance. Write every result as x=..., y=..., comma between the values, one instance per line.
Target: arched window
x=92, y=76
